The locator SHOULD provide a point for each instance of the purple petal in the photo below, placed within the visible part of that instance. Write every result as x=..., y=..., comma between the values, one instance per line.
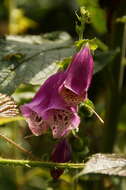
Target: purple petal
x=61, y=152
x=56, y=173
x=47, y=97
x=79, y=74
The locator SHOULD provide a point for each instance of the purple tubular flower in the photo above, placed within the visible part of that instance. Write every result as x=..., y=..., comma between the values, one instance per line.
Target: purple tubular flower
x=61, y=153
x=48, y=109
x=78, y=77
x=55, y=104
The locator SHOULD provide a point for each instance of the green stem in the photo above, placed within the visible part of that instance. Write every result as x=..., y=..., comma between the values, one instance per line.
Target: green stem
x=115, y=81
x=11, y=6
x=29, y=163
x=82, y=31
x=122, y=66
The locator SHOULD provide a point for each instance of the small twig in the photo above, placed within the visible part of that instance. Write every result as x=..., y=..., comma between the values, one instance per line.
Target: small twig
x=17, y=145
x=100, y=119
x=97, y=116
x=29, y=136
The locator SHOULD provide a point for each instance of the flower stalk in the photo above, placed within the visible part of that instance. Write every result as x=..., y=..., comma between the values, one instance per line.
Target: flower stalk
x=29, y=163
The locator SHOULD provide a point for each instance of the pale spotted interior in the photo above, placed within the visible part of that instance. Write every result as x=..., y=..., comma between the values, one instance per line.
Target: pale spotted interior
x=70, y=97
x=36, y=123
x=61, y=123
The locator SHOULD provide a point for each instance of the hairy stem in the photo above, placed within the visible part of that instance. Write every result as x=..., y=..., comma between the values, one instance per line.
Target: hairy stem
x=29, y=163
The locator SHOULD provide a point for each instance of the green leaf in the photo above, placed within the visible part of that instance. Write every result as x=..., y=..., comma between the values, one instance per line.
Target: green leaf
x=121, y=19
x=109, y=164
x=98, y=19
x=30, y=59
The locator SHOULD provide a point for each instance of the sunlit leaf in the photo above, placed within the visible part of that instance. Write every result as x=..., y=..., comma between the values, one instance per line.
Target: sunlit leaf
x=121, y=19
x=20, y=23
x=109, y=164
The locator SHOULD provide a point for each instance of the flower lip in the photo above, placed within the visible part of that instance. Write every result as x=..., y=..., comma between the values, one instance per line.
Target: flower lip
x=63, y=121
x=36, y=124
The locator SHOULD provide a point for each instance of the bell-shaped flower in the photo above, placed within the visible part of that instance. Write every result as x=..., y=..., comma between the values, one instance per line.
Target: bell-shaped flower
x=78, y=77
x=61, y=153
x=55, y=104
x=49, y=110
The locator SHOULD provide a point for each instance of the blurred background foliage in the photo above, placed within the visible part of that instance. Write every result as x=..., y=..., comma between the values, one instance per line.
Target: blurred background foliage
x=43, y=16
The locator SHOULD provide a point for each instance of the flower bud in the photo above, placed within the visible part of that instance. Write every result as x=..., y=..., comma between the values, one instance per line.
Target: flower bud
x=61, y=153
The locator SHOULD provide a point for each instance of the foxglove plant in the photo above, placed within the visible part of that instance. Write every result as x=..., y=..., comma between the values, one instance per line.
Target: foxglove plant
x=55, y=104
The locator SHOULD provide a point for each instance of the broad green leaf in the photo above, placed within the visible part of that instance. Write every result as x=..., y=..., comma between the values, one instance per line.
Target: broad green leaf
x=30, y=59
x=109, y=164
